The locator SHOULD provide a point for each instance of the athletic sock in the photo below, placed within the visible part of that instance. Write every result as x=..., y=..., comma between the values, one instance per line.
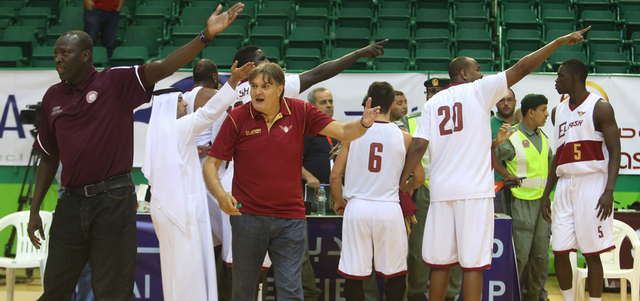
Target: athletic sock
x=395, y=287
x=353, y=290
x=567, y=295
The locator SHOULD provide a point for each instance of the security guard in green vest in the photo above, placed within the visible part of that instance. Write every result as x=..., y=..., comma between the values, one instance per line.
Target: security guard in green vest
x=418, y=273
x=528, y=155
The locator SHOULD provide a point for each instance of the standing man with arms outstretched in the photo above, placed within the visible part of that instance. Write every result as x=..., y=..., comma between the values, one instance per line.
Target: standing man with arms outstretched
x=456, y=123
x=87, y=123
x=585, y=169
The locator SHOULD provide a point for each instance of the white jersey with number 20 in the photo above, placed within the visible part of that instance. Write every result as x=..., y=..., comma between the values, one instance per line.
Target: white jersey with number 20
x=456, y=124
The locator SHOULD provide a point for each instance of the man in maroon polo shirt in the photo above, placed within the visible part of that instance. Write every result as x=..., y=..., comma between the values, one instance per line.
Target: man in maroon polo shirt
x=87, y=124
x=264, y=138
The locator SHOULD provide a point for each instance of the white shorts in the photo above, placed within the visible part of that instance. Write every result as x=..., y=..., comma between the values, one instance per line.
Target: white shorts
x=575, y=224
x=459, y=232
x=373, y=231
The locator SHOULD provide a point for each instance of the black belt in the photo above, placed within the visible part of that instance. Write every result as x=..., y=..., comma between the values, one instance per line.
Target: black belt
x=102, y=187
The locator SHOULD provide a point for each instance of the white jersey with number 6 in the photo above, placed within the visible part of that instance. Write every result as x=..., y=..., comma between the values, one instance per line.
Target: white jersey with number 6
x=456, y=124
x=375, y=176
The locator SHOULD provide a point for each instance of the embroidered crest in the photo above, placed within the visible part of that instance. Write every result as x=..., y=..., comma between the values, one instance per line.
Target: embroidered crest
x=525, y=143
x=434, y=82
x=286, y=128
x=92, y=96
x=581, y=113
x=56, y=110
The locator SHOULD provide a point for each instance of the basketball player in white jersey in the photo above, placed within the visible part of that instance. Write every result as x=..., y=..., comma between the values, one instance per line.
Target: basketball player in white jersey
x=585, y=169
x=373, y=228
x=454, y=125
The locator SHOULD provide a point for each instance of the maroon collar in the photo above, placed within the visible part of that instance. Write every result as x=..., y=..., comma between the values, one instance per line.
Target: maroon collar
x=570, y=107
x=380, y=121
x=82, y=86
x=284, y=109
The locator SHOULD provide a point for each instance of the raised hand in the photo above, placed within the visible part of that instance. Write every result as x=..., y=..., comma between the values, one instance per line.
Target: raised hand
x=218, y=22
x=370, y=114
x=238, y=74
x=503, y=134
x=574, y=37
x=372, y=50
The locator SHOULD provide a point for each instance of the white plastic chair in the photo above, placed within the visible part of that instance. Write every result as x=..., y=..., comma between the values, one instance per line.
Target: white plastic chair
x=611, y=264
x=27, y=256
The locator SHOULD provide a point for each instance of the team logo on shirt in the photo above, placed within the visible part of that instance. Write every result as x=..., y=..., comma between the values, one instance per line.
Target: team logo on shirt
x=286, y=128
x=581, y=113
x=525, y=143
x=254, y=131
x=92, y=96
x=56, y=110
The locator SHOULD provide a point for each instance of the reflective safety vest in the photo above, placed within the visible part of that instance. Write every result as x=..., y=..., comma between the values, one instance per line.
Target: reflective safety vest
x=413, y=124
x=530, y=163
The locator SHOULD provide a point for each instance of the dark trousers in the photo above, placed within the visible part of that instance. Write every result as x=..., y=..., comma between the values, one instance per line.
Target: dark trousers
x=101, y=228
x=97, y=21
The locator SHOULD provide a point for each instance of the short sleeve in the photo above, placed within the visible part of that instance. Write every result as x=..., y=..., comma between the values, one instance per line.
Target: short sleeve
x=491, y=89
x=316, y=120
x=131, y=82
x=46, y=142
x=423, y=129
x=292, y=86
x=224, y=145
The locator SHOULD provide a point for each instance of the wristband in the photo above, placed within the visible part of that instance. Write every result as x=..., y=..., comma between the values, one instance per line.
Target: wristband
x=204, y=39
x=364, y=126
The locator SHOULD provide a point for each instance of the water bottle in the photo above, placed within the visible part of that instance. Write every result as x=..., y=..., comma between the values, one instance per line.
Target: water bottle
x=322, y=201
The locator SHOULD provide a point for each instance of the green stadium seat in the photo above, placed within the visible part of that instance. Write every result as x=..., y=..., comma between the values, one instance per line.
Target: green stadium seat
x=234, y=36
x=182, y=35
x=21, y=36
x=146, y=36
x=558, y=57
x=308, y=37
x=520, y=19
x=625, y=6
x=433, y=38
x=433, y=59
x=399, y=38
x=53, y=5
x=326, y=4
x=42, y=57
x=35, y=16
x=604, y=41
x=312, y=17
x=272, y=54
x=54, y=32
x=471, y=18
x=72, y=17
x=302, y=58
x=100, y=58
x=352, y=37
x=559, y=20
x=394, y=17
x=206, y=4
x=554, y=34
x=483, y=57
x=156, y=16
x=631, y=22
x=518, y=4
x=169, y=5
x=192, y=16
x=131, y=5
x=635, y=48
x=433, y=18
x=355, y=17
x=288, y=4
x=123, y=22
x=222, y=56
x=273, y=16
x=16, y=5
x=523, y=40
x=554, y=4
x=10, y=56
x=129, y=56
x=395, y=3
x=393, y=59
x=433, y=4
x=478, y=39
x=355, y=3
x=597, y=5
x=515, y=56
x=268, y=36
x=471, y=4
x=598, y=20
x=248, y=14
x=6, y=18
x=360, y=64
x=610, y=62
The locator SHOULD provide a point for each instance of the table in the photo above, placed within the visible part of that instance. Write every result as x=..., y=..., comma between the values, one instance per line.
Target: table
x=325, y=233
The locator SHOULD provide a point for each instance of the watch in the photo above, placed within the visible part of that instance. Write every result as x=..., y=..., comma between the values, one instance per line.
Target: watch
x=204, y=39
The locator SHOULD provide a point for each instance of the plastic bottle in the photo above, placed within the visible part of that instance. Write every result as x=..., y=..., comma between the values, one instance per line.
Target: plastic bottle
x=322, y=202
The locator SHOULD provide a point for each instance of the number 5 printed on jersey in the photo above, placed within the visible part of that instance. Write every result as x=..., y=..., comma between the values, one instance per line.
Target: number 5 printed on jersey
x=447, y=112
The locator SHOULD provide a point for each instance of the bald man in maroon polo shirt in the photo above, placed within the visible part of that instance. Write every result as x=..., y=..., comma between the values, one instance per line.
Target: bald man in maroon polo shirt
x=87, y=124
x=264, y=137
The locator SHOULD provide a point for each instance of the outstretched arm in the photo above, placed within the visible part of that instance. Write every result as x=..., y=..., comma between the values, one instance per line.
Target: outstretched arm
x=330, y=69
x=605, y=119
x=157, y=70
x=353, y=129
x=530, y=62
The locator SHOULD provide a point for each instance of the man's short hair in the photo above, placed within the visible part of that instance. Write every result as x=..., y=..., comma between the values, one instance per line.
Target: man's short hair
x=245, y=55
x=84, y=40
x=458, y=64
x=271, y=73
x=532, y=102
x=576, y=67
x=312, y=94
x=398, y=93
x=204, y=70
x=382, y=94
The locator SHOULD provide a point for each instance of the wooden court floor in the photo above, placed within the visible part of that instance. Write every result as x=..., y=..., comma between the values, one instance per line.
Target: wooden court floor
x=29, y=289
